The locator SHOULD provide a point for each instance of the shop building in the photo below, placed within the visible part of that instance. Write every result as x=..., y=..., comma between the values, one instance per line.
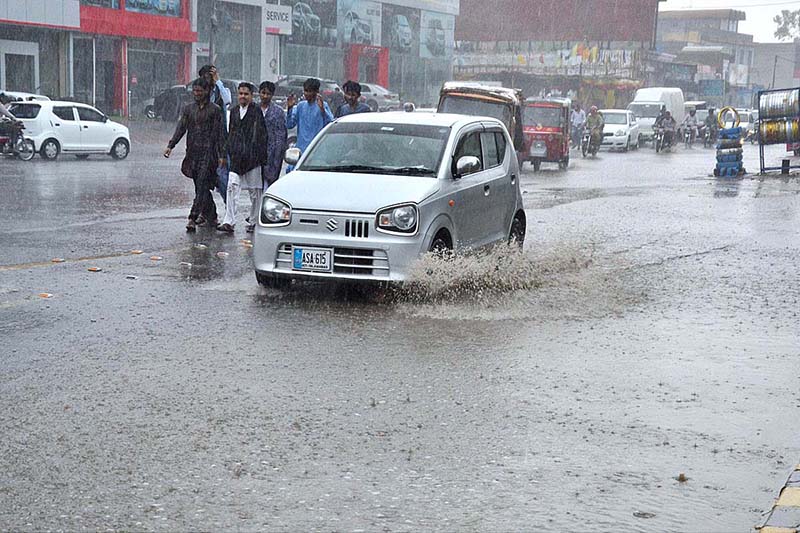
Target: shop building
x=404, y=45
x=130, y=50
x=559, y=47
x=35, y=53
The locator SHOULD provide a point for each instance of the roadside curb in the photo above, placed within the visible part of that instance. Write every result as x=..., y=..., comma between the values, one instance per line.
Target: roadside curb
x=784, y=517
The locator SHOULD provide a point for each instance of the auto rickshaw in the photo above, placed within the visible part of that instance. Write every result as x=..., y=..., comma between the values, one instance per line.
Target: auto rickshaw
x=464, y=98
x=546, y=124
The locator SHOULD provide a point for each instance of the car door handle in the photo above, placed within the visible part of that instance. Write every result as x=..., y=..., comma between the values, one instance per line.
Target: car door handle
x=86, y=127
x=486, y=190
x=56, y=124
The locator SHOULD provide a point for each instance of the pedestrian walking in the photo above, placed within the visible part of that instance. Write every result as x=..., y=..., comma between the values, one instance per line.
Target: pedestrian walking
x=247, y=152
x=275, y=122
x=352, y=98
x=201, y=122
x=309, y=116
x=221, y=96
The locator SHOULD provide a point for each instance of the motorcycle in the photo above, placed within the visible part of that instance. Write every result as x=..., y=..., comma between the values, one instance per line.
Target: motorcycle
x=13, y=142
x=709, y=137
x=688, y=136
x=660, y=140
x=587, y=146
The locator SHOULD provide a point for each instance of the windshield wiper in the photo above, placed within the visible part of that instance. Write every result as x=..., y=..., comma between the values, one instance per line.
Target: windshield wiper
x=349, y=168
x=413, y=171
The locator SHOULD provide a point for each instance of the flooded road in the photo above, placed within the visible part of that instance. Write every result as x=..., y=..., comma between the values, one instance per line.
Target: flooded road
x=650, y=330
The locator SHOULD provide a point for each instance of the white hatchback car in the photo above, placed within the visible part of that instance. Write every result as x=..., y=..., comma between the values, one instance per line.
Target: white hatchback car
x=621, y=130
x=71, y=128
x=374, y=191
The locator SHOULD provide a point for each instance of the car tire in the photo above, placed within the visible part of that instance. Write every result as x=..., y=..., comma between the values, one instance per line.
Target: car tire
x=627, y=146
x=516, y=234
x=82, y=157
x=442, y=244
x=273, y=282
x=120, y=149
x=50, y=149
x=537, y=164
x=563, y=164
x=373, y=105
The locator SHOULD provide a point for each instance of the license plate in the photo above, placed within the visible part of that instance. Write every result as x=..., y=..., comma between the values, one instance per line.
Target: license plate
x=312, y=259
x=538, y=150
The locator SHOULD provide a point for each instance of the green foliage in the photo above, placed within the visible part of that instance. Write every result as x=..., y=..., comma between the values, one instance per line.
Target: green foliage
x=788, y=24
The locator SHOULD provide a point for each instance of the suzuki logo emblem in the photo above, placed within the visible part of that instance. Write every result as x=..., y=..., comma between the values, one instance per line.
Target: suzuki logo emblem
x=332, y=224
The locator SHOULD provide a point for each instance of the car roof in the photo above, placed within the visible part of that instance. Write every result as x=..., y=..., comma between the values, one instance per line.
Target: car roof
x=614, y=111
x=429, y=119
x=26, y=97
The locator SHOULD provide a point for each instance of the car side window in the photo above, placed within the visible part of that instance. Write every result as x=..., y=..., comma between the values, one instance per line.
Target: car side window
x=64, y=113
x=500, y=139
x=490, y=155
x=89, y=115
x=469, y=145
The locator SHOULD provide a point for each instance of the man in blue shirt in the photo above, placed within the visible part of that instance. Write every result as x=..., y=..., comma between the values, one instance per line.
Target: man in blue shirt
x=353, y=103
x=310, y=116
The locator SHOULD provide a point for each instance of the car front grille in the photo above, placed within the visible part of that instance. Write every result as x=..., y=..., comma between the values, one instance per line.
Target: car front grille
x=350, y=261
x=356, y=228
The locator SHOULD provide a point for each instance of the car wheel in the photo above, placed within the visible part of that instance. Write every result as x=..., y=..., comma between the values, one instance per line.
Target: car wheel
x=50, y=149
x=627, y=145
x=82, y=157
x=537, y=164
x=373, y=105
x=441, y=244
x=563, y=164
x=121, y=149
x=517, y=233
x=273, y=282
x=150, y=112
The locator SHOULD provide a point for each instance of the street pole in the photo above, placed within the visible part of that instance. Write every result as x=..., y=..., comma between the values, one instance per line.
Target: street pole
x=774, y=68
x=211, y=33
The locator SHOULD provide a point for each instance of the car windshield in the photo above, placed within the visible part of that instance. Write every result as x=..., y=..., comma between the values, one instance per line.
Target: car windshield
x=398, y=149
x=615, y=118
x=477, y=107
x=25, y=110
x=548, y=117
x=645, y=110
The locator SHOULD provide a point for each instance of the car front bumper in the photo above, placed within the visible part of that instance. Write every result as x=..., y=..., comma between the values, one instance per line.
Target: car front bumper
x=614, y=142
x=359, y=251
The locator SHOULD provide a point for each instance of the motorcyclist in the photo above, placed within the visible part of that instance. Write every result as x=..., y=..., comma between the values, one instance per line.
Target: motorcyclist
x=577, y=119
x=669, y=124
x=5, y=126
x=691, y=122
x=661, y=114
x=595, y=124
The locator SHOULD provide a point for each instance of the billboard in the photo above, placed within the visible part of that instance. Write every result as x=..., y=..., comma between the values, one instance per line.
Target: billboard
x=359, y=22
x=436, y=35
x=170, y=8
x=400, y=30
x=278, y=19
x=313, y=22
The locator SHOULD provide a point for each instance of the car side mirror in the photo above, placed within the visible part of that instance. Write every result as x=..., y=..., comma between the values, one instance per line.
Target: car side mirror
x=292, y=156
x=467, y=164
x=105, y=118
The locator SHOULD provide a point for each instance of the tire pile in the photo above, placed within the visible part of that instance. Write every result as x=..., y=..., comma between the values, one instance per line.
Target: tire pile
x=729, y=153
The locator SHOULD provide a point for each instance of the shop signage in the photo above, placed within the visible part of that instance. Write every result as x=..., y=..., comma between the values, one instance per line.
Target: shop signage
x=277, y=19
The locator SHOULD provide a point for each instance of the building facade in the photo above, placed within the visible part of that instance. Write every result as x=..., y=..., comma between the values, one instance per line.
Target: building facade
x=594, y=55
x=710, y=40
x=776, y=66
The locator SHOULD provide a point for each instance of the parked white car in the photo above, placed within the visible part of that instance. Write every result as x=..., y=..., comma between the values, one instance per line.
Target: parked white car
x=621, y=130
x=375, y=191
x=71, y=128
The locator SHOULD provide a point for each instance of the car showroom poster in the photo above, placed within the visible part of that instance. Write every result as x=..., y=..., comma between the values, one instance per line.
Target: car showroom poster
x=359, y=22
x=436, y=35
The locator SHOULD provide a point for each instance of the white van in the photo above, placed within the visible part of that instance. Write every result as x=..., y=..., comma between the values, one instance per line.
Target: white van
x=647, y=104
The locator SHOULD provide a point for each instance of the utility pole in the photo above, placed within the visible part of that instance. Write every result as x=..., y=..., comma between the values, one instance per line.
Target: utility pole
x=774, y=68
x=211, y=34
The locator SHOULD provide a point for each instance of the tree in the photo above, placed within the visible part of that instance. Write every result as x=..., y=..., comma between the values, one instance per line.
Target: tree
x=788, y=24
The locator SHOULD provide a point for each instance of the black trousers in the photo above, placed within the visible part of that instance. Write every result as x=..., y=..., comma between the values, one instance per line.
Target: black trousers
x=203, y=203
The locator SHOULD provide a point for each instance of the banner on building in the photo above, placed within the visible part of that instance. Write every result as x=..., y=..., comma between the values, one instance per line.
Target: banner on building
x=170, y=8
x=277, y=19
x=313, y=22
x=359, y=22
x=712, y=87
x=401, y=29
x=437, y=35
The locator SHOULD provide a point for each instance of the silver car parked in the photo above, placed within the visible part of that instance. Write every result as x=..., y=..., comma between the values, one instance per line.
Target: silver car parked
x=374, y=192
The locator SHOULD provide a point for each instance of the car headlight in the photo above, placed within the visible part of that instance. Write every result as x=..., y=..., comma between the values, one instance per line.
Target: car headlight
x=275, y=212
x=399, y=219
x=620, y=133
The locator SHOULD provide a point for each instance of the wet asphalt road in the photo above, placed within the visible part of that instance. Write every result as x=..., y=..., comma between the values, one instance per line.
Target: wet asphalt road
x=656, y=333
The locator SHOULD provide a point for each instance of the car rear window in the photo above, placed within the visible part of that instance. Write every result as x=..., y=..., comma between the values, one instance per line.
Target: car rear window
x=25, y=110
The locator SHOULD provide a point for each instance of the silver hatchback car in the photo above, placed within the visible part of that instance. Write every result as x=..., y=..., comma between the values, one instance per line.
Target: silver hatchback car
x=375, y=191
